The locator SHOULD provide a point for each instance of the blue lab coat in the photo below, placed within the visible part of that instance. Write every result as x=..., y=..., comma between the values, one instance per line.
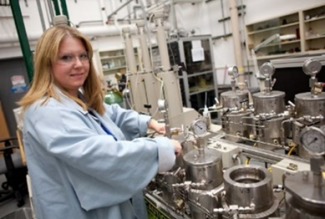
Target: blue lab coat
x=79, y=171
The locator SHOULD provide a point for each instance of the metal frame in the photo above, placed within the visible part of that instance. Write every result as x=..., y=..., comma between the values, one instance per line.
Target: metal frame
x=185, y=76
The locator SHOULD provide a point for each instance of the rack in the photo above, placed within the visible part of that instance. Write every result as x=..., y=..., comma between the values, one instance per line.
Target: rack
x=306, y=28
x=113, y=62
x=197, y=78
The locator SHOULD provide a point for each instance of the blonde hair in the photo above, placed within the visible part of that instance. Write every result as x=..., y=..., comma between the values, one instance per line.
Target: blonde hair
x=46, y=52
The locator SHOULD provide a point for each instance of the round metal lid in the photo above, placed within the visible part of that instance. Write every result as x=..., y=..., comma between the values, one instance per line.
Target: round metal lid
x=301, y=186
x=210, y=156
x=310, y=96
x=240, y=93
x=273, y=94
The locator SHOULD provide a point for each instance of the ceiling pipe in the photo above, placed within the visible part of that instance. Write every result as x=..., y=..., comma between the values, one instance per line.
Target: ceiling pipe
x=103, y=11
x=98, y=31
x=236, y=39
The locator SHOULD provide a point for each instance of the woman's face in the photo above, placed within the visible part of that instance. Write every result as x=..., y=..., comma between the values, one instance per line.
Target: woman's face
x=71, y=67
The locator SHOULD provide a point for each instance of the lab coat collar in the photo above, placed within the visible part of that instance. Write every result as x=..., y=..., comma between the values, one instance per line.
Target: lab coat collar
x=100, y=119
x=68, y=101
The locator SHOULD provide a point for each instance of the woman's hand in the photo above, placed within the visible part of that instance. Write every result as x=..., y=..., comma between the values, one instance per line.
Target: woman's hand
x=177, y=146
x=157, y=127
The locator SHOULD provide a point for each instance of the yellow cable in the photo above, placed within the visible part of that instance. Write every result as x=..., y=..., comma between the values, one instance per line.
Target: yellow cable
x=290, y=151
x=248, y=159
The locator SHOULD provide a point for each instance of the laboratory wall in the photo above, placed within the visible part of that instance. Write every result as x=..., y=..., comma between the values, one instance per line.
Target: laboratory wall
x=189, y=18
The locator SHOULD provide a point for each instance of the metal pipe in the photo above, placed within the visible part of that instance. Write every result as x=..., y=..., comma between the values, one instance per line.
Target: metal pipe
x=144, y=47
x=134, y=11
x=40, y=12
x=148, y=32
x=129, y=13
x=223, y=16
x=201, y=146
x=262, y=153
x=130, y=57
x=24, y=44
x=99, y=31
x=172, y=4
x=236, y=39
x=243, y=38
x=239, y=160
x=103, y=11
x=118, y=9
x=162, y=43
x=88, y=22
x=64, y=8
x=167, y=124
x=50, y=8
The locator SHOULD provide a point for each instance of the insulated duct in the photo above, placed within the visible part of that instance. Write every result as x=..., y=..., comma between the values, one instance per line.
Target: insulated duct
x=236, y=39
x=99, y=31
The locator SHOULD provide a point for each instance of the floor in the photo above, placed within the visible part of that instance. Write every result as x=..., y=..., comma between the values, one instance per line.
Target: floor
x=10, y=206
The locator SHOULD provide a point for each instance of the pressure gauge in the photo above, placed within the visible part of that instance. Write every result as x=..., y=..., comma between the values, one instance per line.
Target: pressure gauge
x=162, y=105
x=233, y=71
x=199, y=127
x=313, y=140
x=267, y=69
x=311, y=67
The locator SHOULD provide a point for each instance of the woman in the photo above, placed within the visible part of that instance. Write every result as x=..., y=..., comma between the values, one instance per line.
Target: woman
x=86, y=159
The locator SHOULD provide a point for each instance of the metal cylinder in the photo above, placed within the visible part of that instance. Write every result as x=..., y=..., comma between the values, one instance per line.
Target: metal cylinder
x=206, y=169
x=296, y=130
x=269, y=102
x=249, y=184
x=130, y=57
x=169, y=194
x=270, y=132
x=303, y=199
x=231, y=99
x=161, y=39
x=202, y=203
x=237, y=125
x=144, y=47
x=309, y=104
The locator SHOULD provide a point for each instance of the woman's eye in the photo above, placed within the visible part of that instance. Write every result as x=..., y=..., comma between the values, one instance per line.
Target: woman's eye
x=66, y=58
x=83, y=56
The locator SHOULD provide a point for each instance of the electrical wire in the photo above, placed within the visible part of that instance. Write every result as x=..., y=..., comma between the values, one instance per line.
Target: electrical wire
x=248, y=158
x=291, y=150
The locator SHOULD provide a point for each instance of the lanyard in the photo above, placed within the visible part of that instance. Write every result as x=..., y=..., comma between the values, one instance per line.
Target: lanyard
x=101, y=125
x=107, y=131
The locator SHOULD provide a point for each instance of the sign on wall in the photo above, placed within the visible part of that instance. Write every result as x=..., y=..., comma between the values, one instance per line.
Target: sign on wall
x=18, y=84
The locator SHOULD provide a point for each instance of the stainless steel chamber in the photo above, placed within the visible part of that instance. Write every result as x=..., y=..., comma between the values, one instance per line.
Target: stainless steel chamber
x=250, y=186
x=269, y=102
x=308, y=105
x=203, y=168
x=305, y=192
x=268, y=128
x=231, y=99
x=236, y=123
